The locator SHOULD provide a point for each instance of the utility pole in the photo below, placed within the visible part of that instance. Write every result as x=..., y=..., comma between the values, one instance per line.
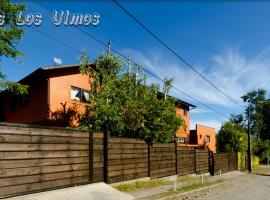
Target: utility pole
x=109, y=47
x=129, y=65
x=249, y=145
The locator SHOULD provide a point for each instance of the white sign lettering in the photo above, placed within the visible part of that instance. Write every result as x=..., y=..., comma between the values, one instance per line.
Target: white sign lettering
x=58, y=18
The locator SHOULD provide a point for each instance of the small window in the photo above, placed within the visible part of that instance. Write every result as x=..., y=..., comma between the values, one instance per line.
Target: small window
x=79, y=94
x=185, y=112
x=181, y=140
x=75, y=93
x=207, y=138
x=85, y=96
x=200, y=136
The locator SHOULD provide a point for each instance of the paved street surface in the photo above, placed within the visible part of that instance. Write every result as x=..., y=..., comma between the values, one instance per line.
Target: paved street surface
x=248, y=187
x=94, y=191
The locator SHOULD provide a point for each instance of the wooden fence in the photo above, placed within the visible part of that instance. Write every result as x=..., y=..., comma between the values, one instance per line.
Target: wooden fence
x=34, y=158
x=186, y=161
x=162, y=160
x=127, y=159
x=225, y=162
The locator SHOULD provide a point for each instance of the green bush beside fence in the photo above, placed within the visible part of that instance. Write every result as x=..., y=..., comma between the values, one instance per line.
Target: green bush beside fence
x=242, y=161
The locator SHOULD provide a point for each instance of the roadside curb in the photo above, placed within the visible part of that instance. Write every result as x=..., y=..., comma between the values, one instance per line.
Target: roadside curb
x=189, y=192
x=179, y=194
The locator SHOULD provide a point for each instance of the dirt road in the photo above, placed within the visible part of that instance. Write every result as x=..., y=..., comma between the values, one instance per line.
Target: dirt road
x=248, y=187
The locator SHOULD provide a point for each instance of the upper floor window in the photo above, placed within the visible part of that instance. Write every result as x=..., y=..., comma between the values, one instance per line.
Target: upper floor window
x=181, y=140
x=79, y=94
x=207, y=138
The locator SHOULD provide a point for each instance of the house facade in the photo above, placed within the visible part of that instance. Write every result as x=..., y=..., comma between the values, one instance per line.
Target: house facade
x=50, y=91
x=58, y=92
x=203, y=136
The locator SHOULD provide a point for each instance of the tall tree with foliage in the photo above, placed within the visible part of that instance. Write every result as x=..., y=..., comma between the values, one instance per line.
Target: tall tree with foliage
x=231, y=137
x=10, y=36
x=255, y=100
x=126, y=103
x=265, y=131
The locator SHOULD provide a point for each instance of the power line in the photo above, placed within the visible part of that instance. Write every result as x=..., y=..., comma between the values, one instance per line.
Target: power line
x=172, y=51
x=56, y=40
x=137, y=65
x=149, y=72
x=127, y=59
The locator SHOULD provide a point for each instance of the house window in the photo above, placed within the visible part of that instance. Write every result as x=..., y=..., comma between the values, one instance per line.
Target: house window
x=181, y=140
x=207, y=138
x=200, y=136
x=79, y=94
x=185, y=112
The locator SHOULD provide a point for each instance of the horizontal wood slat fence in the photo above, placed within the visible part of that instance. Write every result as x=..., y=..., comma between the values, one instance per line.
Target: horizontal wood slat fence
x=34, y=158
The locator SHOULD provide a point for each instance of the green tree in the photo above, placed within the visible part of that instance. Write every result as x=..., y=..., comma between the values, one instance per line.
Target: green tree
x=261, y=148
x=238, y=119
x=231, y=137
x=255, y=100
x=265, y=132
x=10, y=36
x=126, y=103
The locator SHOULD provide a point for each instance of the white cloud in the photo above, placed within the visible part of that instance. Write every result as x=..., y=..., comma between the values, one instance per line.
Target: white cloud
x=230, y=71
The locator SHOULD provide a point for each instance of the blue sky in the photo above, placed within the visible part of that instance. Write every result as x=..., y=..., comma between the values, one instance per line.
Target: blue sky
x=227, y=42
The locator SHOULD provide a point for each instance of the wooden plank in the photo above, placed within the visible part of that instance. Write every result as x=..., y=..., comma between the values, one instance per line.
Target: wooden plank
x=163, y=165
x=41, y=154
x=126, y=140
x=16, y=138
x=127, y=166
x=128, y=161
x=98, y=141
x=26, y=188
x=126, y=146
x=163, y=170
x=98, y=159
x=42, y=147
x=123, y=151
x=127, y=171
x=98, y=147
x=11, y=164
x=127, y=155
x=172, y=145
x=162, y=157
x=41, y=170
x=43, y=132
x=163, y=174
x=98, y=135
x=127, y=177
x=11, y=181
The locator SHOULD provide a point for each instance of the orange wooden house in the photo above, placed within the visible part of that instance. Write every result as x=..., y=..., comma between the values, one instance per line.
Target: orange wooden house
x=56, y=92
